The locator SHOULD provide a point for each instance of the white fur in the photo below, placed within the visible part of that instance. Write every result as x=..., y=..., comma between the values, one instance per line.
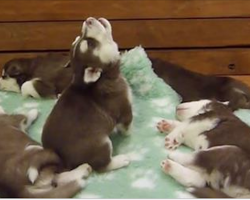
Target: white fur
x=189, y=133
x=118, y=162
x=182, y=158
x=83, y=171
x=83, y=46
x=31, y=117
x=82, y=183
x=9, y=84
x=2, y=110
x=108, y=50
x=190, y=109
x=32, y=174
x=181, y=167
x=129, y=93
x=28, y=89
x=75, y=41
x=33, y=147
x=183, y=175
x=91, y=77
x=167, y=125
x=3, y=72
x=124, y=131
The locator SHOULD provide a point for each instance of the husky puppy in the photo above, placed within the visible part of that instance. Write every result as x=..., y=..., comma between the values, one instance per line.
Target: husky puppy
x=39, y=77
x=221, y=141
x=95, y=103
x=27, y=169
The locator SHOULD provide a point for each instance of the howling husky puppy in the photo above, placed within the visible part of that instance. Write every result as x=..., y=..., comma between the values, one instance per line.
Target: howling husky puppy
x=28, y=170
x=96, y=102
x=221, y=141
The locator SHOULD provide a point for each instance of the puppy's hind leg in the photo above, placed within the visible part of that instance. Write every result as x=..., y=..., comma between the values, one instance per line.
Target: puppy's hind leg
x=185, y=159
x=125, y=122
x=185, y=176
x=31, y=116
x=82, y=171
x=116, y=162
x=63, y=191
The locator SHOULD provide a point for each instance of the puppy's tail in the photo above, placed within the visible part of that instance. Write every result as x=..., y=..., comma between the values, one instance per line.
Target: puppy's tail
x=67, y=190
x=207, y=193
x=42, y=158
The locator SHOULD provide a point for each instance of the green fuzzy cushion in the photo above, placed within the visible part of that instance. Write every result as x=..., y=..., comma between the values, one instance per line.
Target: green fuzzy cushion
x=136, y=67
x=153, y=100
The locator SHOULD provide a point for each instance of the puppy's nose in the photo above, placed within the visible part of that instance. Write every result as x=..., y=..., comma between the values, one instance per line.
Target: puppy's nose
x=90, y=21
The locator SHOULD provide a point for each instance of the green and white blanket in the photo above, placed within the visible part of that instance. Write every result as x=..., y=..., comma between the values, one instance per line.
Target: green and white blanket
x=152, y=101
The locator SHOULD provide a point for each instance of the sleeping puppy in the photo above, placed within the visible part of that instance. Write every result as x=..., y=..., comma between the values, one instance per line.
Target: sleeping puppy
x=39, y=77
x=204, y=124
x=96, y=102
x=194, y=86
x=221, y=141
x=217, y=172
x=28, y=170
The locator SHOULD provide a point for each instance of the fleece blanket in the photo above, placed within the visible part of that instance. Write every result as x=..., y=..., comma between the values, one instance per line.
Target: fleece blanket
x=153, y=100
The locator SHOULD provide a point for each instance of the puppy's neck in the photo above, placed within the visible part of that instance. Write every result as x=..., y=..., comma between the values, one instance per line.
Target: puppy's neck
x=112, y=71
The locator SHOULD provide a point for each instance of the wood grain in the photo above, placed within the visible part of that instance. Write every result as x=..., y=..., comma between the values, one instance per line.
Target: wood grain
x=148, y=33
x=244, y=79
x=49, y=10
x=203, y=61
x=213, y=61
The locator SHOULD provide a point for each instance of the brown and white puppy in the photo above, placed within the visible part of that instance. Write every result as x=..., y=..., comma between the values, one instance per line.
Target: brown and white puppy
x=28, y=170
x=39, y=77
x=95, y=103
x=194, y=86
x=221, y=141
x=205, y=124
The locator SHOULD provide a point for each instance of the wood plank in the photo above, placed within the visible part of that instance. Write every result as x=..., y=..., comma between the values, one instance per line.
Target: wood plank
x=244, y=79
x=213, y=61
x=47, y=10
x=148, y=33
x=203, y=61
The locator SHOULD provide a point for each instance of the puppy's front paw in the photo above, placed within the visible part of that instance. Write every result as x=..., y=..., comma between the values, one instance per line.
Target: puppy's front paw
x=173, y=142
x=164, y=126
x=91, y=74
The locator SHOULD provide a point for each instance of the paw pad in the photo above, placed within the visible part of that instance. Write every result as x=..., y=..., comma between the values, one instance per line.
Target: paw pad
x=165, y=165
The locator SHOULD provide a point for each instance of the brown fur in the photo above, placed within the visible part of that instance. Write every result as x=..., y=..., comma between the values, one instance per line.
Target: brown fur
x=208, y=192
x=194, y=86
x=230, y=130
x=86, y=114
x=53, y=71
x=15, y=162
x=231, y=162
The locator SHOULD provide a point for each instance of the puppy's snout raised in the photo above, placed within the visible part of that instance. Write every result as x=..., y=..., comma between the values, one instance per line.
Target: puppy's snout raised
x=90, y=21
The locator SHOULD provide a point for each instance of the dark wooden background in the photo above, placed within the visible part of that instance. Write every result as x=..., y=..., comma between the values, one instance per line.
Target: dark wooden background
x=209, y=36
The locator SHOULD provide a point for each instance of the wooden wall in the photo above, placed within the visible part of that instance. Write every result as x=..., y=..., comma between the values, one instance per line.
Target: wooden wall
x=209, y=36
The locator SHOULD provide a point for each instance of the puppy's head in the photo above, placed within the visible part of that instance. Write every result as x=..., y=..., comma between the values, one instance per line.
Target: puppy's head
x=14, y=74
x=94, y=52
x=190, y=109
